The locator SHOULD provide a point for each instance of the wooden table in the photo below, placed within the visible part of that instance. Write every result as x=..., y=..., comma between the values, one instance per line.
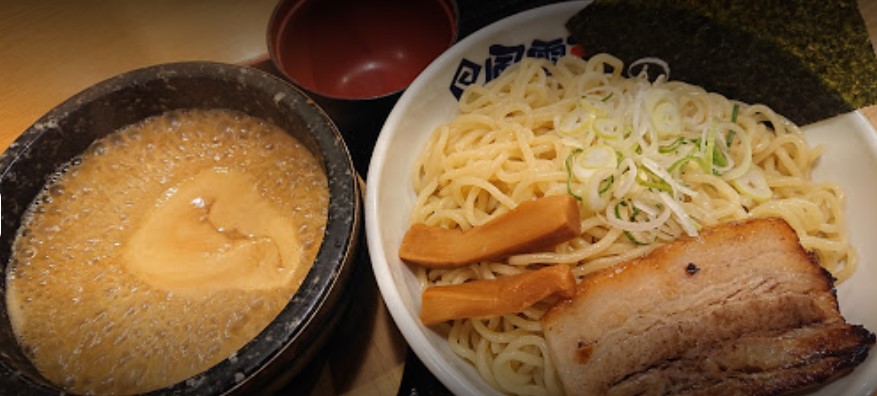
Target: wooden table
x=50, y=50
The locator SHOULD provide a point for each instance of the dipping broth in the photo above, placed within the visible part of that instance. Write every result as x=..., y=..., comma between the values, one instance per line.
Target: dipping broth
x=163, y=249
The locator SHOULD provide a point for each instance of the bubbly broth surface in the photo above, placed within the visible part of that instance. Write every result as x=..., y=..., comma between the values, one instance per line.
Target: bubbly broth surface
x=164, y=249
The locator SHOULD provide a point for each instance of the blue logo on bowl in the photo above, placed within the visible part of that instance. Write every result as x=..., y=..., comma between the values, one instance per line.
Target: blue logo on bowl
x=500, y=56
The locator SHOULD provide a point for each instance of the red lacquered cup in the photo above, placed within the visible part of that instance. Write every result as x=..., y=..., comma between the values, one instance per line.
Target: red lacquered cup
x=355, y=57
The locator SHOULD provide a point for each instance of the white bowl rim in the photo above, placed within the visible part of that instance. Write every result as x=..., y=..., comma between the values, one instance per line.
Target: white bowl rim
x=409, y=325
x=858, y=144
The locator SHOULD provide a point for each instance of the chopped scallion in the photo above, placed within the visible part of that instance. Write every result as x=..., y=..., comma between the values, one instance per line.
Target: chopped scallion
x=634, y=240
x=617, y=210
x=672, y=146
x=653, y=181
x=605, y=184
x=709, y=152
x=634, y=212
x=568, y=162
x=730, y=137
x=679, y=163
x=719, y=158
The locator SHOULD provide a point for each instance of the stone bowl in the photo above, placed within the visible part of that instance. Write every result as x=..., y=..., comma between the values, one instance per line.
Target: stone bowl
x=302, y=327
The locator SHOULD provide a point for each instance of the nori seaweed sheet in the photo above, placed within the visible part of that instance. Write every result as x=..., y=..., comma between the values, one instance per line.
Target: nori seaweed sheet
x=807, y=59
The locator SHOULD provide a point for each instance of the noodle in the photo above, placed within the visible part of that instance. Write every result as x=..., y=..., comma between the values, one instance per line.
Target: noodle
x=649, y=162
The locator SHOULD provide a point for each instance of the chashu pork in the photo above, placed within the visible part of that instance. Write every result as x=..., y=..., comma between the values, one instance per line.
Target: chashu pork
x=740, y=309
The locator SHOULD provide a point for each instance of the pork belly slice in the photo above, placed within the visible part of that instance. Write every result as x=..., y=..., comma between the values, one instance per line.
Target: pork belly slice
x=740, y=309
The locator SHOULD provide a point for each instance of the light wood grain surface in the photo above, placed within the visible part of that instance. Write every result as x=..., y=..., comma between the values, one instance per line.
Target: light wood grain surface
x=50, y=50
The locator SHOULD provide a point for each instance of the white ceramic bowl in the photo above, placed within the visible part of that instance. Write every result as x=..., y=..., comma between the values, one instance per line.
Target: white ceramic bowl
x=850, y=159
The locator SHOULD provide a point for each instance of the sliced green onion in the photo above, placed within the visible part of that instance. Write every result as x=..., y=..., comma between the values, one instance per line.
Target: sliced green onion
x=606, y=184
x=627, y=177
x=637, y=226
x=665, y=176
x=634, y=240
x=719, y=158
x=569, y=159
x=753, y=184
x=709, y=152
x=684, y=220
x=653, y=181
x=608, y=128
x=681, y=162
x=634, y=212
x=730, y=137
x=607, y=97
x=672, y=146
x=618, y=211
x=600, y=156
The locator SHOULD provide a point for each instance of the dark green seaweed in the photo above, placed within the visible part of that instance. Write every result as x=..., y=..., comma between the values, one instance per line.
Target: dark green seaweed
x=808, y=60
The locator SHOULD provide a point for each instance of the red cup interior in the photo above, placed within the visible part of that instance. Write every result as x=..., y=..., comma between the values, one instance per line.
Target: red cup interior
x=355, y=49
